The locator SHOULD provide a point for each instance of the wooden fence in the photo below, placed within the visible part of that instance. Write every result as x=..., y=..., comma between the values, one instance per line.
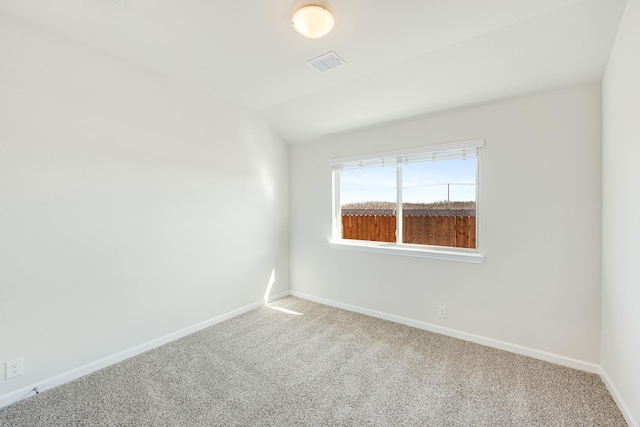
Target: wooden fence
x=452, y=231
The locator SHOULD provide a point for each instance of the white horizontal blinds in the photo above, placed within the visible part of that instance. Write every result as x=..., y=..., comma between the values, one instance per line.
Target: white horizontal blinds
x=454, y=151
x=363, y=164
x=457, y=154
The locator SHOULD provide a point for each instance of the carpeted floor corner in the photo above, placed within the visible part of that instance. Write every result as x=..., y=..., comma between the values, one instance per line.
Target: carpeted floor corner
x=299, y=363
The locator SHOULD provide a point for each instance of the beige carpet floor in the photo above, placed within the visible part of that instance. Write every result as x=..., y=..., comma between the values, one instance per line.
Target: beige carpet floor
x=298, y=363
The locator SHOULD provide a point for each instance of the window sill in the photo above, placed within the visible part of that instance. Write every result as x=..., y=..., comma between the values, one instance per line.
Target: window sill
x=412, y=251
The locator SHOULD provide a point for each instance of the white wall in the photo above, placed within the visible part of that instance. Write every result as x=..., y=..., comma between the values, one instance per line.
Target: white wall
x=540, y=213
x=130, y=206
x=621, y=209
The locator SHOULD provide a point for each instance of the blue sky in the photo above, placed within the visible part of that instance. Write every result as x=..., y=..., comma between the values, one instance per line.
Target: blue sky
x=422, y=182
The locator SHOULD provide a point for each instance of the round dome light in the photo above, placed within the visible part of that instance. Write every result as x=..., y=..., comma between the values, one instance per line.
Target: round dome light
x=312, y=21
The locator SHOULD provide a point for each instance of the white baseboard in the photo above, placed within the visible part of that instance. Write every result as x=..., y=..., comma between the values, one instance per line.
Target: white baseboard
x=490, y=342
x=626, y=413
x=281, y=295
x=65, y=377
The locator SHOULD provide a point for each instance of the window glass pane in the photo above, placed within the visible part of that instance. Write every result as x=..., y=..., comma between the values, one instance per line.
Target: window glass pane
x=439, y=203
x=368, y=203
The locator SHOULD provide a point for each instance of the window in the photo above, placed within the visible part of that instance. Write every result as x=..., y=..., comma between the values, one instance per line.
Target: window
x=419, y=202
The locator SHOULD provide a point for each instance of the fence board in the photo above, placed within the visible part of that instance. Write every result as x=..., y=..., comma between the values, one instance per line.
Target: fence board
x=440, y=230
x=472, y=233
x=377, y=228
x=462, y=232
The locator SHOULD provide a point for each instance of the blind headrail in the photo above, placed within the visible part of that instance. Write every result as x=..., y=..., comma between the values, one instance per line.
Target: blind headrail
x=449, y=151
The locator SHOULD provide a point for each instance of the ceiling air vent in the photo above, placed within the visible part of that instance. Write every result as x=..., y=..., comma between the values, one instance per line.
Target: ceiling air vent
x=327, y=62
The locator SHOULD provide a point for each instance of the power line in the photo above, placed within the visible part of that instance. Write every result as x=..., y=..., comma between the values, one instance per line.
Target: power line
x=362, y=188
x=435, y=185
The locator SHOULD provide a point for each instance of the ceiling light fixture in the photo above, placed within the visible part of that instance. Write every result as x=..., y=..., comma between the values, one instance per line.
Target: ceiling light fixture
x=312, y=21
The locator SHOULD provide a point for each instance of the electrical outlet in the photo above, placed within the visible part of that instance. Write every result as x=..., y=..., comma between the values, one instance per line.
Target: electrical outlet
x=14, y=368
x=442, y=311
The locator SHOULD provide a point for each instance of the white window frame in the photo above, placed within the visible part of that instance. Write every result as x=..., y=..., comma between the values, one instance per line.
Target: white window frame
x=397, y=158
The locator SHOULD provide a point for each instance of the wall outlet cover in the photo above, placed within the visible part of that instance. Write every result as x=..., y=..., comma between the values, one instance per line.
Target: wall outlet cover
x=442, y=311
x=14, y=368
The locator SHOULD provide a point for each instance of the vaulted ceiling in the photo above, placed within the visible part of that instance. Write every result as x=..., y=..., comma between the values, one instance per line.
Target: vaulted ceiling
x=404, y=57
